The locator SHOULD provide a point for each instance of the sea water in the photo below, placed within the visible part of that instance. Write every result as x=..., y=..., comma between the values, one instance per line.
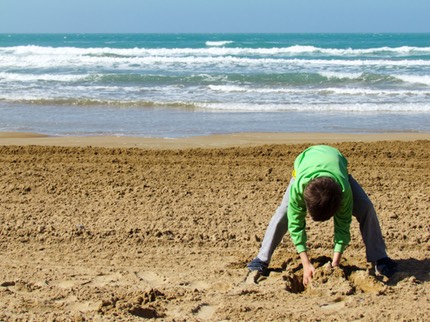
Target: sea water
x=176, y=85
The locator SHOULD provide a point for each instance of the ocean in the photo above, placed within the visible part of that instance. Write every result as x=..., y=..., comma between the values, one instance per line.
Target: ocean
x=179, y=85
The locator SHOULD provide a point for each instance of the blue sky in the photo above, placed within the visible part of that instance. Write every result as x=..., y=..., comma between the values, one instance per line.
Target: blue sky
x=149, y=16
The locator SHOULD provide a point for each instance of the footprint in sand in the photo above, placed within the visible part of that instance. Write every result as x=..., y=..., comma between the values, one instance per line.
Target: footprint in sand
x=72, y=304
x=97, y=281
x=150, y=278
x=221, y=287
x=102, y=280
x=199, y=285
x=367, y=283
x=83, y=306
x=205, y=311
x=67, y=284
x=204, y=285
x=336, y=305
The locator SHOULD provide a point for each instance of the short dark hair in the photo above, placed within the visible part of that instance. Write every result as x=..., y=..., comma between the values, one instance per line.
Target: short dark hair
x=323, y=197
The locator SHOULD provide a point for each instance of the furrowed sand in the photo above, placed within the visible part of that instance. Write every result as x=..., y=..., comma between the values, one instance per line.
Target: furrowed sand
x=121, y=228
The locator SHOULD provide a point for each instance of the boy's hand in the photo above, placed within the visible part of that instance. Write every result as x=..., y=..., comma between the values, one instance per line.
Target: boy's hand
x=308, y=272
x=308, y=268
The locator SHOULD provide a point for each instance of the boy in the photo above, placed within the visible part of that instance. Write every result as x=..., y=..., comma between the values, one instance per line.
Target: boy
x=322, y=188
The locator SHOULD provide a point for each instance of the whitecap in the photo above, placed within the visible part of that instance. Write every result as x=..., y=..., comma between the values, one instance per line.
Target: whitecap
x=218, y=43
x=415, y=79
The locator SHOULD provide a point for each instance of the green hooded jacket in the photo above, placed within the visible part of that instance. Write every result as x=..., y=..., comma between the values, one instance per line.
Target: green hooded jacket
x=319, y=161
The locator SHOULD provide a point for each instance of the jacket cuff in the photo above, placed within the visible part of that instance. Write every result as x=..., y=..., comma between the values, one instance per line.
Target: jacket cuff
x=301, y=248
x=339, y=248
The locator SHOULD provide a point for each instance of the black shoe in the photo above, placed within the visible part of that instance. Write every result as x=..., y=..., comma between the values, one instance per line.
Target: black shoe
x=386, y=266
x=258, y=265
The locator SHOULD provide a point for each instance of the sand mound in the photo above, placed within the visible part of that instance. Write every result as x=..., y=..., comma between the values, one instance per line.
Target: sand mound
x=338, y=281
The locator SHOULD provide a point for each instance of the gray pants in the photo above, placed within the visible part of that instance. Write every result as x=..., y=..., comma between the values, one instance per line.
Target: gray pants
x=363, y=210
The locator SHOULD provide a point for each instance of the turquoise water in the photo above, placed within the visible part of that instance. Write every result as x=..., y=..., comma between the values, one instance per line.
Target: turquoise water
x=173, y=85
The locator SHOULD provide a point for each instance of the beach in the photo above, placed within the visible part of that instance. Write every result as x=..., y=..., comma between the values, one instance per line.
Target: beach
x=108, y=228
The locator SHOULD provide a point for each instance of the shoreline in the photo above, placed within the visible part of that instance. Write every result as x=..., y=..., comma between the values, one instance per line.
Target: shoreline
x=211, y=141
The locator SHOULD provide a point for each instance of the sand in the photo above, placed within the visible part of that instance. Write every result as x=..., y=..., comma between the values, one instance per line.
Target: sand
x=132, y=229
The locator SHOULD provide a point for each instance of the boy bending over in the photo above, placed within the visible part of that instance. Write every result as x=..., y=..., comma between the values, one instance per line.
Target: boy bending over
x=322, y=188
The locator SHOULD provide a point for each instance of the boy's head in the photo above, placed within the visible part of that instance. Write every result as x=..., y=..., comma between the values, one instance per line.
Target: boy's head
x=323, y=197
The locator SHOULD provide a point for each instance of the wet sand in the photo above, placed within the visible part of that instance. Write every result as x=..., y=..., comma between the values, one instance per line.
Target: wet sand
x=120, y=229
x=212, y=141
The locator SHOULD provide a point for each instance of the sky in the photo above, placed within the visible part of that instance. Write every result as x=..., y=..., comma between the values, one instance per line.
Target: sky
x=203, y=16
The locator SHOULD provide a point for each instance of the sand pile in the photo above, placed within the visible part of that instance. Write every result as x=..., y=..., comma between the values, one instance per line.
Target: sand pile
x=108, y=234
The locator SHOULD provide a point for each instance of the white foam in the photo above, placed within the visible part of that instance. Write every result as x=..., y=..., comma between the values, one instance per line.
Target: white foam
x=278, y=59
x=212, y=62
x=214, y=49
x=218, y=43
x=260, y=90
x=340, y=75
x=354, y=91
x=415, y=79
x=7, y=77
x=227, y=88
x=365, y=107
